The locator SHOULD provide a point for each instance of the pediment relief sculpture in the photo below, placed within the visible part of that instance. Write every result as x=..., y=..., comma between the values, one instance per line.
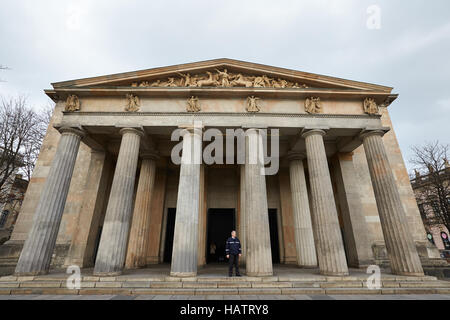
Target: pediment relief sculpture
x=133, y=103
x=72, y=103
x=313, y=105
x=193, y=105
x=370, y=106
x=220, y=78
x=252, y=105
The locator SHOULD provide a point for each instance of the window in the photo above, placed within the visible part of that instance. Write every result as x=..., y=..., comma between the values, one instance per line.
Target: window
x=3, y=218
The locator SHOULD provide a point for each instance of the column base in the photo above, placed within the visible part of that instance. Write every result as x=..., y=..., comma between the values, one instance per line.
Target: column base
x=31, y=273
x=409, y=274
x=183, y=274
x=308, y=267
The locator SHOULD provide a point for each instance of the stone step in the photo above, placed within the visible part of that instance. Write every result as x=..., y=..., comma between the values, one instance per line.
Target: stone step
x=221, y=291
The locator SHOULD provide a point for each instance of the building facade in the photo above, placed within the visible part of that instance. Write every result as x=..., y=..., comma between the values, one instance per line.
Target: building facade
x=106, y=193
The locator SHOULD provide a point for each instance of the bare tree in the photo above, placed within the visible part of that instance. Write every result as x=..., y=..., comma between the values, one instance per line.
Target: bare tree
x=21, y=134
x=432, y=180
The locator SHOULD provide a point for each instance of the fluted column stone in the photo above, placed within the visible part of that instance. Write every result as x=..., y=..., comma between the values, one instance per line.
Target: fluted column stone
x=327, y=233
x=242, y=217
x=140, y=225
x=304, y=238
x=185, y=241
x=400, y=246
x=113, y=243
x=37, y=251
x=259, y=253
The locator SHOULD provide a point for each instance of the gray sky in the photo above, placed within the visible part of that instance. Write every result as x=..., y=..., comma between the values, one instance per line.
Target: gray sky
x=48, y=41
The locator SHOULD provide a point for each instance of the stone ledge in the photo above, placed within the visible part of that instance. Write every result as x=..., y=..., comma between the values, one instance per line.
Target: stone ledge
x=108, y=284
x=166, y=285
x=302, y=291
x=200, y=285
x=216, y=291
x=272, y=285
x=40, y=285
x=9, y=284
x=342, y=285
x=164, y=291
x=358, y=291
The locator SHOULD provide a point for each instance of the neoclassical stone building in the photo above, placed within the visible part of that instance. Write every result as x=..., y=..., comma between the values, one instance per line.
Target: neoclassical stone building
x=105, y=193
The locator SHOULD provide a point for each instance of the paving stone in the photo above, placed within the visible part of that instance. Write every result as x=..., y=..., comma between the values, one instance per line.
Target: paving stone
x=257, y=291
x=167, y=291
x=215, y=291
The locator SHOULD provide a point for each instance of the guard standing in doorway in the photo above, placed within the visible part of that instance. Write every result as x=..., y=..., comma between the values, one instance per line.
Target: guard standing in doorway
x=233, y=252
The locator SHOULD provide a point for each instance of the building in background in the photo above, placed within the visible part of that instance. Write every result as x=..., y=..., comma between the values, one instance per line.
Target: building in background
x=430, y=211
x=15, y=192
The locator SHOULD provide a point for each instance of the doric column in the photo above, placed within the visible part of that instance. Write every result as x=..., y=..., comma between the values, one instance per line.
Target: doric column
x=185, y=240
x=327, y=233
x=202, y=219
x=358, y=244
x=37, y=252
x=304, y=238
x=113, y=243
x=140, y=225
x=400, y=246
x=242, y=217
x=259, y=254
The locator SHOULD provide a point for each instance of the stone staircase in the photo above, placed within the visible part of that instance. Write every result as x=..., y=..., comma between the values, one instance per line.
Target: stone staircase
x=310, y=284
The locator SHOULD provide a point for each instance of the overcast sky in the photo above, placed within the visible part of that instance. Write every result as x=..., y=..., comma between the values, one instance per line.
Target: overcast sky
x=408, y=48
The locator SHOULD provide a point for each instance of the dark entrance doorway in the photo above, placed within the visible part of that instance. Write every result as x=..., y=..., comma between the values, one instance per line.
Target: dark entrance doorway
x=220, y=224
x=274, y=242
x=170, y=229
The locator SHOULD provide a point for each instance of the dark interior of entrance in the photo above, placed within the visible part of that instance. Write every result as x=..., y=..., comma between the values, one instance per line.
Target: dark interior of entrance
x=220, y=224
x=170, y=229
x=274, y=241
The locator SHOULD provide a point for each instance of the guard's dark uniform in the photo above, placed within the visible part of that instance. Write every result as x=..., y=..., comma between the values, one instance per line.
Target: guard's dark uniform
x=233, y=248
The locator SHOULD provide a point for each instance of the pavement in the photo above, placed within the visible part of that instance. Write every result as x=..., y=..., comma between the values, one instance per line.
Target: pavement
x=230, y=297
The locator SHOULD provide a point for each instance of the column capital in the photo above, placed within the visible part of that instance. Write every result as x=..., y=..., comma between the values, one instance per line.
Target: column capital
x=295, y=155
x=191, y=129
x=373, y=132
x=138, y=131
x=306, y=132
x=78, y=131
x=150, y=155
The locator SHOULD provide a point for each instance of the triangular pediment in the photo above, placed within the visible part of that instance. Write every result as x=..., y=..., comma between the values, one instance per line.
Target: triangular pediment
x=220, y=73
